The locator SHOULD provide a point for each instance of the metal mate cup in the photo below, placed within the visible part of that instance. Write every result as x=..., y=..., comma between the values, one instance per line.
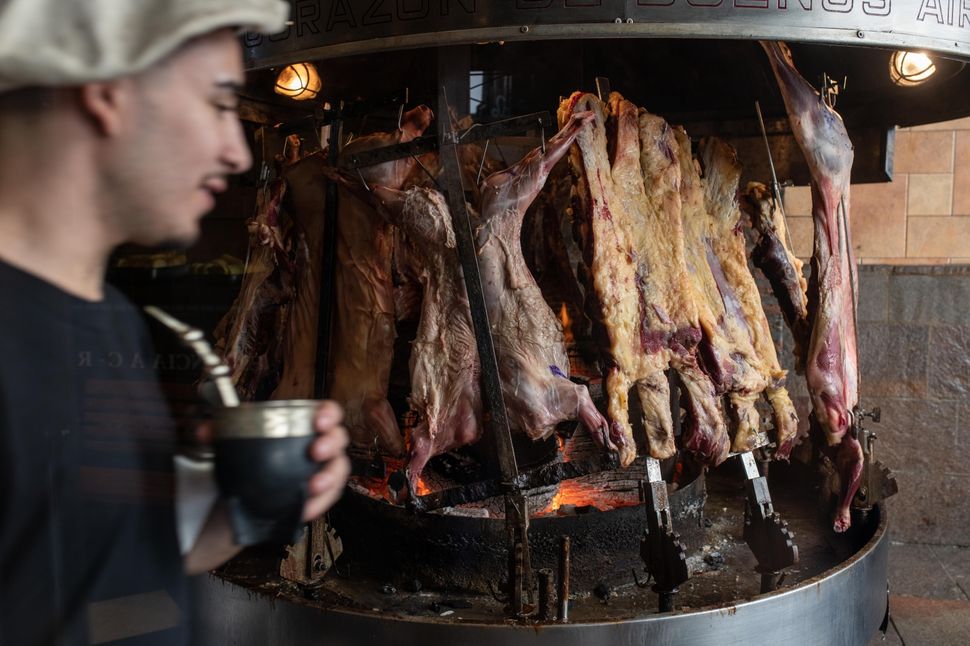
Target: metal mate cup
x=262, y=466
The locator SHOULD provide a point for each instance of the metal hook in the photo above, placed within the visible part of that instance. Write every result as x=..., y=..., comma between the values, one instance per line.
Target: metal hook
x=426, y=171
x=542, y=136
x=400, y=116
x=481, y=166
x=362, y=180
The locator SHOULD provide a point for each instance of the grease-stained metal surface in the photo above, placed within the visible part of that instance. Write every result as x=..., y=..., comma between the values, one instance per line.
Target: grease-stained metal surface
x=329, y=28
x=835, y=594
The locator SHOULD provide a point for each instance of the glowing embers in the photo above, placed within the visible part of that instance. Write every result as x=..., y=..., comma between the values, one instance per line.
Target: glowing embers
x=909, y=69
x=599, y=492
x=299, y=81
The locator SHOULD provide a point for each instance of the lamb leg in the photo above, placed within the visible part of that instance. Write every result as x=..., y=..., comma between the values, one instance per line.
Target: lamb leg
x=831, y=366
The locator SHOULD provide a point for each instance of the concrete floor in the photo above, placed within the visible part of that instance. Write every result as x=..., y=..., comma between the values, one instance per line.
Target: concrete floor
x=930, y=596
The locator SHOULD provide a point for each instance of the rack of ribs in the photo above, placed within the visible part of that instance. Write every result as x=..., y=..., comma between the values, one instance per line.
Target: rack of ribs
x=739, y=293
x=634, y=252
x=528, y=337
x=665, y=284
x=727, y=349
x=831, y=361
x=778, y=263
x=364, y=296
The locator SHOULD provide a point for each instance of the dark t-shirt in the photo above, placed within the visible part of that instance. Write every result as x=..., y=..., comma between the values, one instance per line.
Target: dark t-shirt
x=88, y=549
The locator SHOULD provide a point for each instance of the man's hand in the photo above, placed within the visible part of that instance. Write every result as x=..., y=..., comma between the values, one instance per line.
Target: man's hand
x=326, y=486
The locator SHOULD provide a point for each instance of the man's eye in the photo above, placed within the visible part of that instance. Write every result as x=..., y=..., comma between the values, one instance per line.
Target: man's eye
x=226, y=107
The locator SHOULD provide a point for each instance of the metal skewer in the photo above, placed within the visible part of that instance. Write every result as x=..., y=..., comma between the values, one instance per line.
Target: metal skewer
x=212, y=362
x=775, y=186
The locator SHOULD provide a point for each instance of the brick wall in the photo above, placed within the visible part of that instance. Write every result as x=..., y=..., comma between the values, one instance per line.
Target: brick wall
x=922, y=217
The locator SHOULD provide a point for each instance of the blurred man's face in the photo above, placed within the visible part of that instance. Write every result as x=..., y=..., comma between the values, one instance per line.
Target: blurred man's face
x=183, y=141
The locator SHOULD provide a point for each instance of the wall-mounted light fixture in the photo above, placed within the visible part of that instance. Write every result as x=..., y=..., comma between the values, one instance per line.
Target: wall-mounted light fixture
x=299, y=81
x=908, y=69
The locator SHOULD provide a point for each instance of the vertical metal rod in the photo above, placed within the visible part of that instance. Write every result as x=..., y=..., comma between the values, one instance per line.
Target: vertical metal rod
x=564, y=547
x=769, y=582
x=496, y=417
x=453, y=71
x=321, y=388
x=547, y=595
x=666, y=602
x=775, y=186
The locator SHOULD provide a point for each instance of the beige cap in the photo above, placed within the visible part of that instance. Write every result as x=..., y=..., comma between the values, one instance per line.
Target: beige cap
x=70, y=42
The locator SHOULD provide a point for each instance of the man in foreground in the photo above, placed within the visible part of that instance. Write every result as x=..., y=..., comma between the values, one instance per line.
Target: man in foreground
x=117, y=124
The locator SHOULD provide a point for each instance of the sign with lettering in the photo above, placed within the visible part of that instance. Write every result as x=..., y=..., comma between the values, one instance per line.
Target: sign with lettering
x=331, y=28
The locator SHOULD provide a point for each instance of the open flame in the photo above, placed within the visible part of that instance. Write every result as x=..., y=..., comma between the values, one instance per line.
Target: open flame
x=567, y=324
x=422, y=489
x=583, y=494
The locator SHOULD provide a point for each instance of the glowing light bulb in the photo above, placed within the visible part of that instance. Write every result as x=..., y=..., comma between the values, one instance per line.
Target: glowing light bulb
x=299, y=81
x=909, y=69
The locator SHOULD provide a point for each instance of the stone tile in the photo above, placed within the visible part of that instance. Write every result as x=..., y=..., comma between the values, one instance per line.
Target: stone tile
x=879, y=219
x=915, y=570
x=961, y=175
x=892, y=359
x=930, y=508
x=938, y=237
x=917, y=435
x=953, y=124
x=931, y=622
x=932, y=299
x=949, y=362
x=873, y=294
x=930, y=195
x=802, y=236
x=924, y=152
x=956, y=562
x=798, y=200
x=906, y=262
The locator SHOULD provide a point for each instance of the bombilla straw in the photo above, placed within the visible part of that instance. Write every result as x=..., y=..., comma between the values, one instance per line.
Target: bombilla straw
x=212, y=362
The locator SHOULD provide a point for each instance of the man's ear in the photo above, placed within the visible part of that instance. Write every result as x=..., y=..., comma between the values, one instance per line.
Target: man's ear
x=106, y=104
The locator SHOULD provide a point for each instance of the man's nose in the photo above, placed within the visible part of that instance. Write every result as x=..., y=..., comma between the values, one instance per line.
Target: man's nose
x=236, y=153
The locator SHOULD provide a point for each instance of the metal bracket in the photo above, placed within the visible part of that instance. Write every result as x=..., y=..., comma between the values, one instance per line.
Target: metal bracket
x=878, y=482
x=309, y=559
x=662, y=552
x=764, y=531
x=520, y=563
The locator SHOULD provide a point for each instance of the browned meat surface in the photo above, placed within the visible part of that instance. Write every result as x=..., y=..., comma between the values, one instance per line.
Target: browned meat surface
x=247, y=336
x=831, y=363
x=363, y=335
x=304, y=204
x=778, y=263
x=667, y=297
x=528, y=337
x=634, y=252
x=552, y=257
x=729, y=262
x=445, y=390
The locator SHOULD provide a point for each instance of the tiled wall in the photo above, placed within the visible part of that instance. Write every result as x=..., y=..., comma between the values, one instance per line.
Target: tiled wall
x=922, y=217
